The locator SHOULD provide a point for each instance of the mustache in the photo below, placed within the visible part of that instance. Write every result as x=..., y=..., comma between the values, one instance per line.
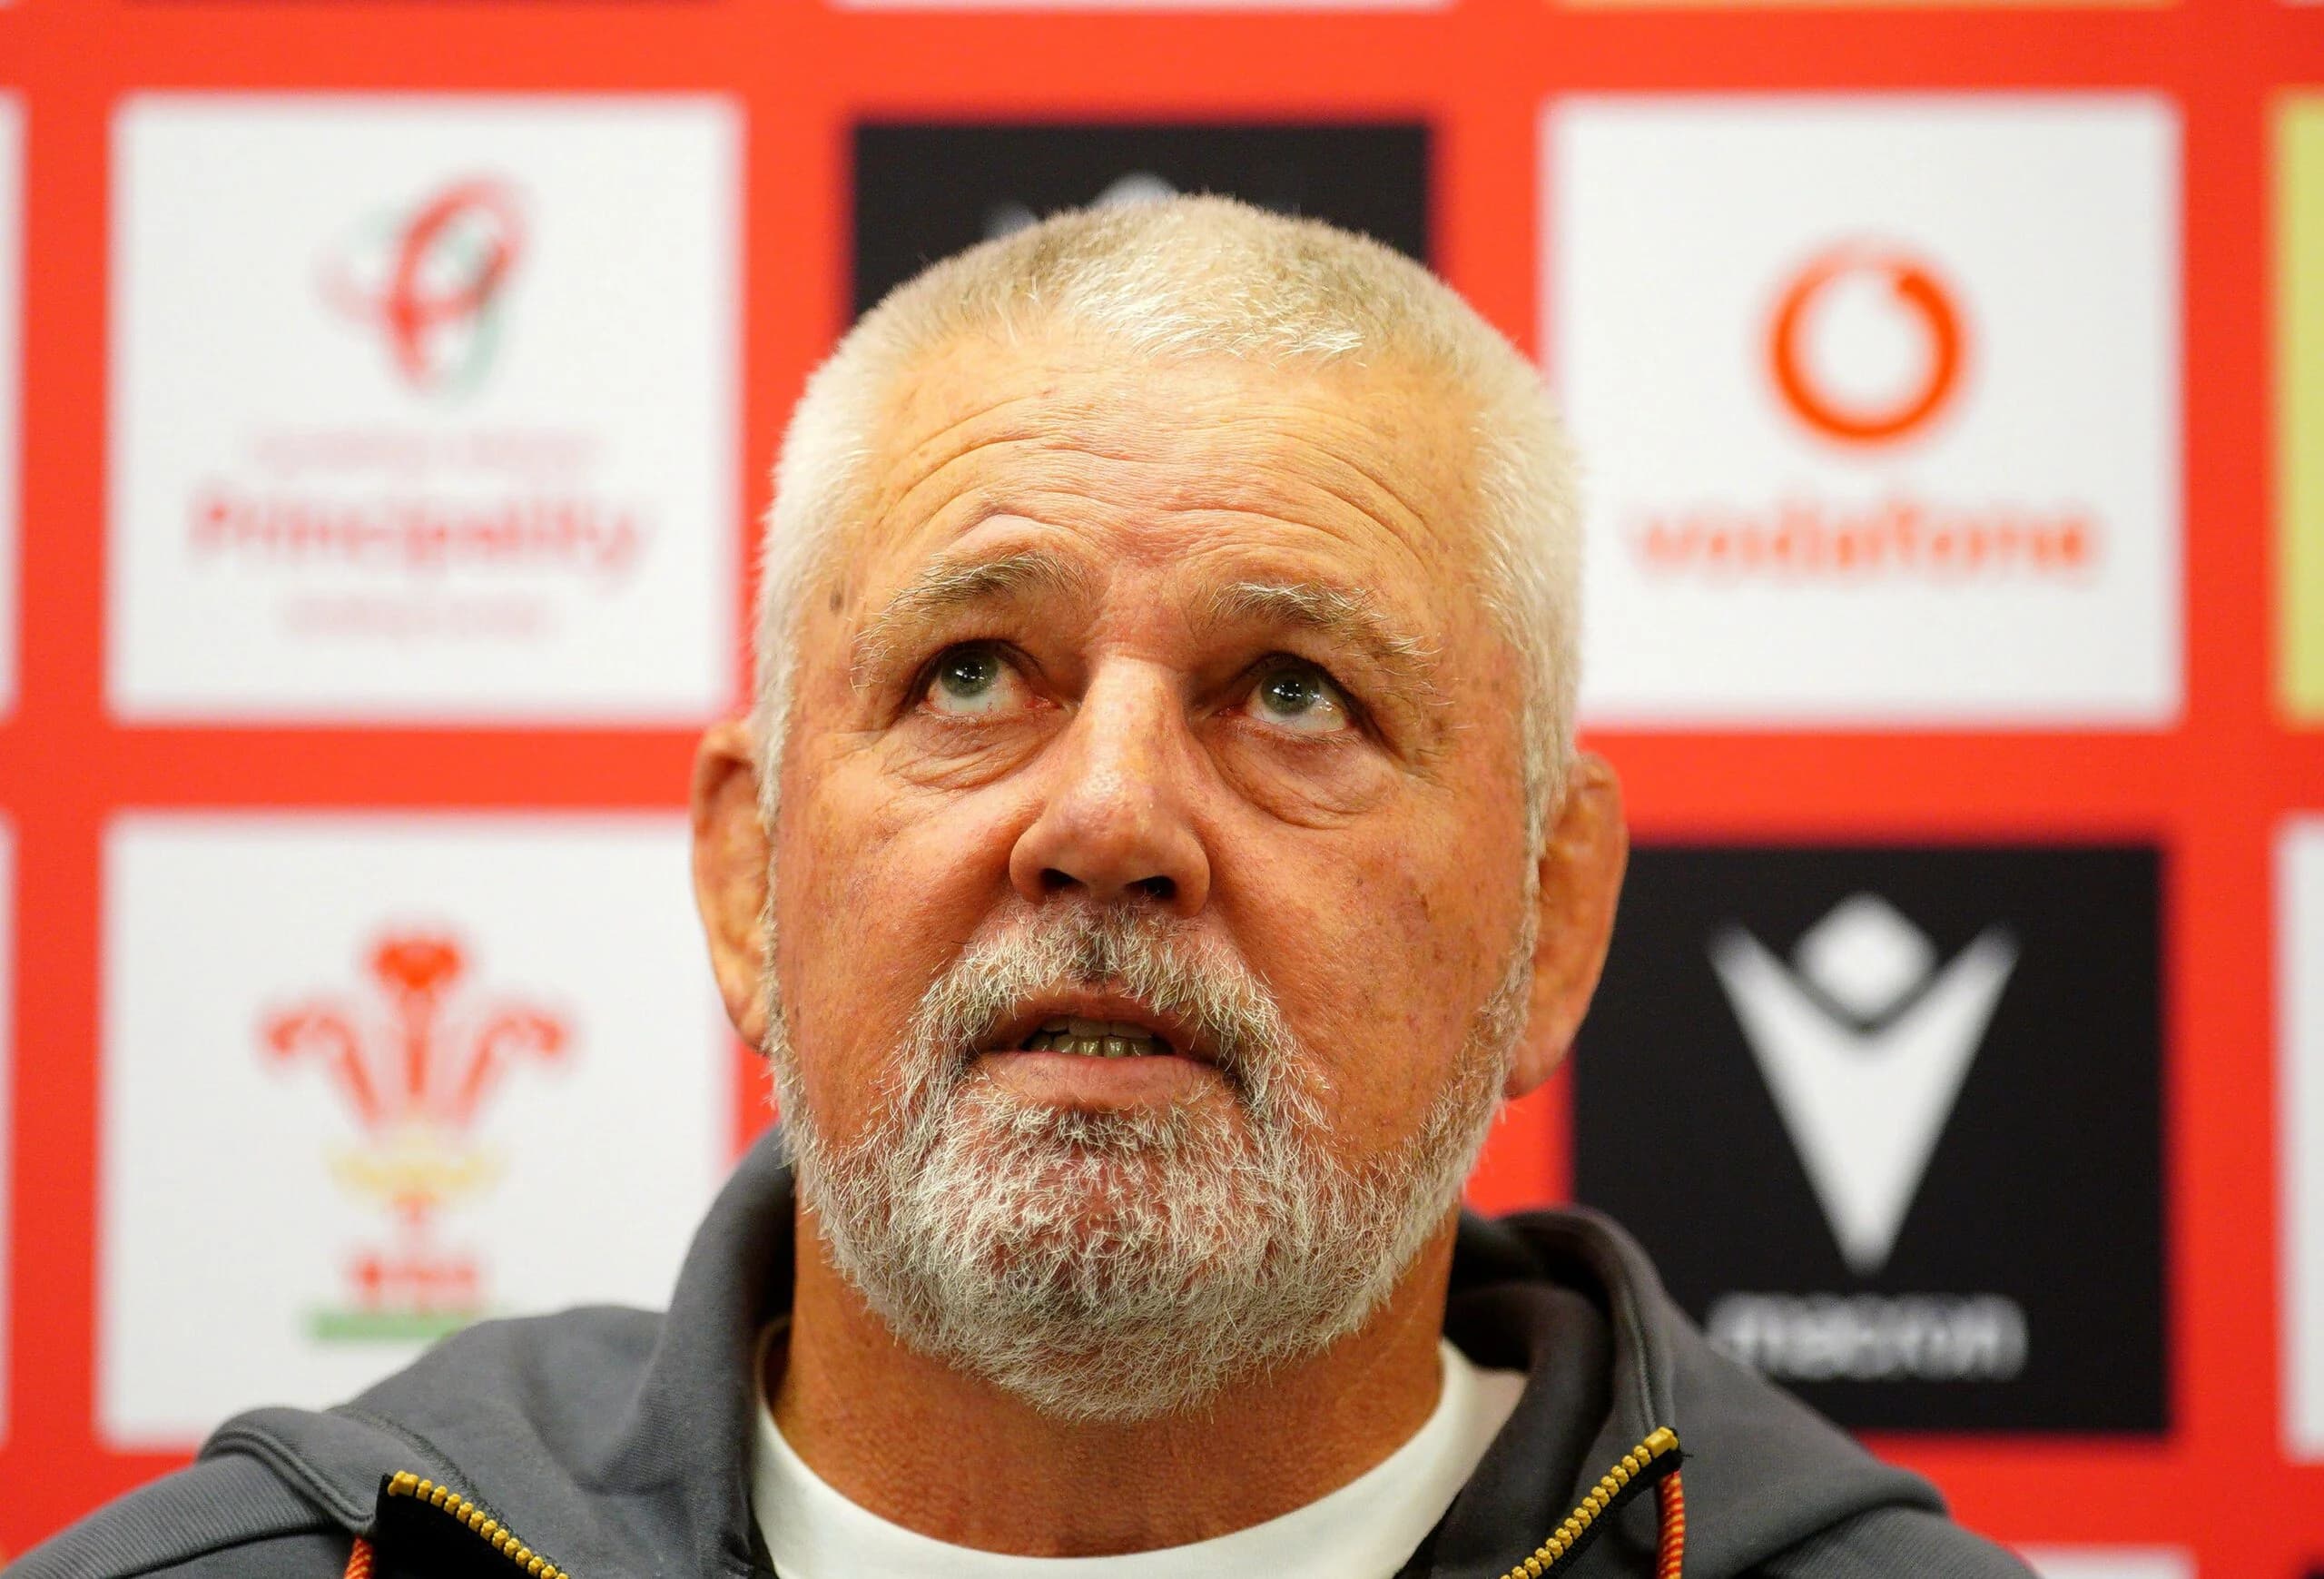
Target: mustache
x=1156, y=960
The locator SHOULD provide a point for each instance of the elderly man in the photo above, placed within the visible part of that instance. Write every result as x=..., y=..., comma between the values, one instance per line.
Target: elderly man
x=1156, y=851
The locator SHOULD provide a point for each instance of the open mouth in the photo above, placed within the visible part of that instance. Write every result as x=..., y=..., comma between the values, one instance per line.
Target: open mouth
x=1096, y=1039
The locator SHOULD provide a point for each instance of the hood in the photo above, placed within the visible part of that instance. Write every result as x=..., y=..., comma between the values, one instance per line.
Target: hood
x=615, y=1442
x=1764, y=1473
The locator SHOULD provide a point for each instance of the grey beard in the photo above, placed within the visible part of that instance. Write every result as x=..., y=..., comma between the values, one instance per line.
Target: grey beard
x=1120, y=1266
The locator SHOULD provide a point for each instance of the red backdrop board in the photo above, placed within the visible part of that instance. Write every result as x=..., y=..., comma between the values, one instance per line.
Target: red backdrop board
x=393, y=388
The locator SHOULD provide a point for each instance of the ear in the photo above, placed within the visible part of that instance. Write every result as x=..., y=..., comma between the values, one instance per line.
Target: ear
x=1583, y=862
x=730, y=871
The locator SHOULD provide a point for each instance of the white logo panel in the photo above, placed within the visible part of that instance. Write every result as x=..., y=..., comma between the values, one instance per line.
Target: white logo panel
x=2110, y=1562
x=12, y=312
x=2300, y=988
x=1878, y=402
x=7, y=1106
x=423, y=409
x=367, y=1079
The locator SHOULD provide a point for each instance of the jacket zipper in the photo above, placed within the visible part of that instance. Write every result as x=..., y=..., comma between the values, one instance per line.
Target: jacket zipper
x=491, y=1530
x=1641, y=1467
x=1659, y=1453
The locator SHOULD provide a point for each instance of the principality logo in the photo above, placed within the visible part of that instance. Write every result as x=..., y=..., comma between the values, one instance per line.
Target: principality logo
x=429, y=505
x=1914, y=289
x=415, y=1061
x=432, y=282
x=1864, y=1046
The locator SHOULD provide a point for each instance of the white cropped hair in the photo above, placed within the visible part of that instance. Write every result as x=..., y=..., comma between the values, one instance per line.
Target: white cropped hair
x=1195, y=278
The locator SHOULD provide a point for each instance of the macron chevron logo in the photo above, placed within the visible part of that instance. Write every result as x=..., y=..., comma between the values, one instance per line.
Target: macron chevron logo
x=1864, y=1042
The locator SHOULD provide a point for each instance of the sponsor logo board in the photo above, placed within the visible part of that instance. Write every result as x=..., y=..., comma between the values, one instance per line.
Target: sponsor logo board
x=1901, y=448
x=2300, y=986
x=2299, y=374
x=423, y=409
x=1888, y=1120
x=11, y=191
x=385, y=1060
x=2108, y=1562
x=923, y=191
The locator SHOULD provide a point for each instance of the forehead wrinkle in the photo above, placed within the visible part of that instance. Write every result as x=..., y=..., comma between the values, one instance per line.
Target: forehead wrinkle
x=1065, y=411
x=933, y=453
x=1044, y=401
x=945, y=586
x=1267, y=451
x=1319, y=490
x=1327, y=443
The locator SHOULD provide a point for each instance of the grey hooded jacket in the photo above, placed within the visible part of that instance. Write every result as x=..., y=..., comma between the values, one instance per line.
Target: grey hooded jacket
x=613, y=1443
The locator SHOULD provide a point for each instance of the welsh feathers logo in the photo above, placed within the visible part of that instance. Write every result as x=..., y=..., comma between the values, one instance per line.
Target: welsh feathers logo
x=1864, y=1042
x=432, y=281
x=415, y=1058
x=1882, y=279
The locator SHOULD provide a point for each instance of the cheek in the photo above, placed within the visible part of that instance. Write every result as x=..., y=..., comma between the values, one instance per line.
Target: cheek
x=878, y=892
x=1298, y=787
x=1380, y=952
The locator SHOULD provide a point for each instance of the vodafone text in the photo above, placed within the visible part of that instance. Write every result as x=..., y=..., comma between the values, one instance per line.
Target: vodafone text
x=1897, y=537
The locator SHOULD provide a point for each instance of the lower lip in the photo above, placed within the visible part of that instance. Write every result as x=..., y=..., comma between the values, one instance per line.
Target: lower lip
x=1072, y=1079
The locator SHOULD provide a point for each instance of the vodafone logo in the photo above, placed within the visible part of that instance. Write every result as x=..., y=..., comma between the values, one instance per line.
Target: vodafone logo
x=1881, y=432
x=1866, y=350
x=1913, y=292
x=431, y=281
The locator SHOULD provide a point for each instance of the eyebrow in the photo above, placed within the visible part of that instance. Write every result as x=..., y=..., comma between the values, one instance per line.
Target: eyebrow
x=948, y=585
x=1349, y=616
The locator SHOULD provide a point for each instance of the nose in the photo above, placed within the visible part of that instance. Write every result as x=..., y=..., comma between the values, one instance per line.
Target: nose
x=1115, y=824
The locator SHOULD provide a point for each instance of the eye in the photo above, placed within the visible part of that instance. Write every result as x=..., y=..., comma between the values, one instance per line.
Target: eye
x=972, y=682
x=1297, y=697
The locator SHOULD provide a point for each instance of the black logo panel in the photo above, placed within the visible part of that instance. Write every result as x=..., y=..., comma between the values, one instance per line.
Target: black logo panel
x=924, y=191
x=1890, y=1121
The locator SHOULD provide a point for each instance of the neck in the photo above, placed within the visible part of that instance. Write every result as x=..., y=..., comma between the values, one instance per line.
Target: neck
x=955, y=1459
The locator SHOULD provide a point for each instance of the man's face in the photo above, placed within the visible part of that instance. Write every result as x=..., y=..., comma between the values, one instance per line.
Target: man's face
x=1151, y=855
x=1204, y=640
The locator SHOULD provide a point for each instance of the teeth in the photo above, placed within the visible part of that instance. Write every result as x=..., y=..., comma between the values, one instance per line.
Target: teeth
x=1095, y=1039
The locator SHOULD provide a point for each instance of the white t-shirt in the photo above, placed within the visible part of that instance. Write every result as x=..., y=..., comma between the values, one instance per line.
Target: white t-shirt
x=1365, y=1530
